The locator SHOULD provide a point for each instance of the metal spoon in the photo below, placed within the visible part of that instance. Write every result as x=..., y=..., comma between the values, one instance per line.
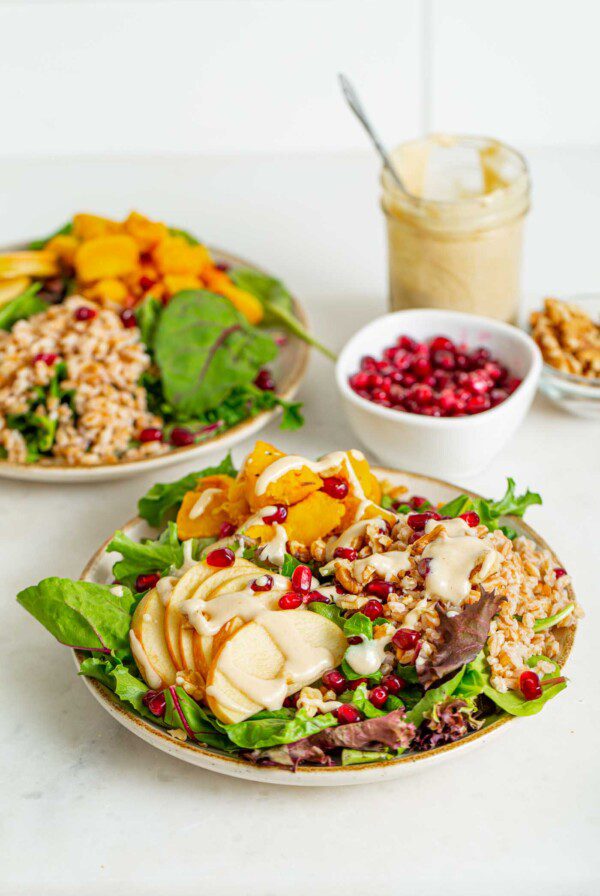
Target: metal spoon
x=356, y=106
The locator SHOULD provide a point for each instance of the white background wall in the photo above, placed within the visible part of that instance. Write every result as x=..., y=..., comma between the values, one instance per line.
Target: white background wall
x=212, y=76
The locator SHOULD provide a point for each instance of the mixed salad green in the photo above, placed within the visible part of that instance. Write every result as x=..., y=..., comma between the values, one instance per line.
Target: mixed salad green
x=419, y=716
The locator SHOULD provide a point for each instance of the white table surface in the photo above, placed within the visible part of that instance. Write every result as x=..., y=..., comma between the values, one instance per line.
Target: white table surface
x=87, y=807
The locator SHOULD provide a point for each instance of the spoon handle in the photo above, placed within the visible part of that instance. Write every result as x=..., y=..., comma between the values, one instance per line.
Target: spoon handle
x=356, y=106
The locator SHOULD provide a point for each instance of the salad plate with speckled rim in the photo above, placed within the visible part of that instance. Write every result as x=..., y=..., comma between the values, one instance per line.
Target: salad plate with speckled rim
x=289, y=369
x=99, y=569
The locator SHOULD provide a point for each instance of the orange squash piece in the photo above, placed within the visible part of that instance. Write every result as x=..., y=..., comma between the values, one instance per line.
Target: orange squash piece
x=106, y=256
x=287, y=489
x=88, y=227
x=145, y=232
x=316, y=516
x=247, y=304
x=174, y=255
x=214, y=514
x=107, y=290
x=64, y=246
x=369, y=482
x=236, y=506
x=174, y=283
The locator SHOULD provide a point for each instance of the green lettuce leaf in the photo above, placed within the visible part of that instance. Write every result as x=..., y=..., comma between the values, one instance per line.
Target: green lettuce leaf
x=65, y=230
x=277, y=304
x=359, y=699
x=117, y=678
x=82, y=614
x=22, y=306
x=432, y=697
x=361, y=757
x=358, y=625
x=205, y=348
x=329, y=611
x=267, y=729
x=489, y=511
x=147, y=315
x=165, y=498
x=140, y=557
x=183, y=712
x=514, y=703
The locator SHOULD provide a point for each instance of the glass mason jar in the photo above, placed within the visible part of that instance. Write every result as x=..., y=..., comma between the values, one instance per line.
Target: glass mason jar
x=455, y=237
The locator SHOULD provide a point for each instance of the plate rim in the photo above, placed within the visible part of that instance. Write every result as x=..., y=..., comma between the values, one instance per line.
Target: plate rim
x=242, y=768
x=77, y=472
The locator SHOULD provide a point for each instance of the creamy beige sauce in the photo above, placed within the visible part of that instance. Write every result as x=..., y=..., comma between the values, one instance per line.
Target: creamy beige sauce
x=165, y=587
x=117, y=590
x=203, y=501
x=366, y=658
x=386, y=566
x=151, y=678
x=274, y=550
x=453, y=557
x=209, y=616
x=303, y=663
x=257, y=518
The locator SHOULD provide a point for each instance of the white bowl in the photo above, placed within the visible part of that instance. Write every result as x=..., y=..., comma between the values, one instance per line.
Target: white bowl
x=439, y=446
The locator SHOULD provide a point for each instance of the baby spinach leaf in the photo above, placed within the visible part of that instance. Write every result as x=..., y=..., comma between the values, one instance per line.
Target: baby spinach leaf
x=277, y=304
x=269, y=729
x=432, y=697
x=515, y=703
x=165, y=498
x=22, y=306
x=145, y=556
x=81, y=614
x=205, y=348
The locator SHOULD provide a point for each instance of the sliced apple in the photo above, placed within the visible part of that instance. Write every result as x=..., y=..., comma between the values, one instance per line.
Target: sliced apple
x=188, y=586
x=264, y=661
x=148, y=643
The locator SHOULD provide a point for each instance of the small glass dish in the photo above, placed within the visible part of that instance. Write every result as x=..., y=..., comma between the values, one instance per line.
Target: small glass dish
x=579, y=395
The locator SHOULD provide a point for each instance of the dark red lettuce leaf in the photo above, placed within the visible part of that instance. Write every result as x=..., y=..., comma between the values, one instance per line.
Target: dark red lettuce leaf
x=451, y=721
x=462, y=637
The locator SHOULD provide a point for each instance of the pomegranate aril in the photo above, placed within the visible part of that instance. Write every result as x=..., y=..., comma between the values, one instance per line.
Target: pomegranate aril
x=335, y=681
x=346, y=714
x=146, y=581
x=530, y=685
x=156, y=703
x=279, y=515
x=512, y=384
x=393, y=683
x=417, y=521
x=262, y=583
x=359, y=380
x=335, y=487
x=220, y=558
x=559, y=572
x=47, y=358
x=378, y=696
x=477, y=403
x=290, y=601
x=226, y=529
x=316, y=597
x=497, y=396
x=291, y=702
x=417, y=501
x=471, y=518
x=264, y=380
x=407, y=343
x=128, y=318
x=406, y=639
x=369, y=362
x=379, y=588
x=345, y=554
x=302, y=579
x=441, y=343
x=421, y=367
x=181, y=437
x=151, y=435
x=355, y=683
x=372, y=609
x=84, y=312
x=443, y=360
x=146, y=282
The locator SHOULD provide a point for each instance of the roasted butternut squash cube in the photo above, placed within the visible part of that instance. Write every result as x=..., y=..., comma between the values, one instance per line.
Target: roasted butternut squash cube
x=64, y=247
x=287, y=489
x=174, y=255
x=106, y=256
x=202, y=517
x=107, y=290
x=145, y=232
x=316, y=516
x=88, y=227
x=174, y=283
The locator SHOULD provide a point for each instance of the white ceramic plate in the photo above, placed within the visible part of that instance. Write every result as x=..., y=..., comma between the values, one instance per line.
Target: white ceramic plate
x=99, y=570
x=288, y=369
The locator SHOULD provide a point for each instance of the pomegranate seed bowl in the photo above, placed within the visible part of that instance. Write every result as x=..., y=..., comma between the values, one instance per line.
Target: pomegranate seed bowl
x=441, y=392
